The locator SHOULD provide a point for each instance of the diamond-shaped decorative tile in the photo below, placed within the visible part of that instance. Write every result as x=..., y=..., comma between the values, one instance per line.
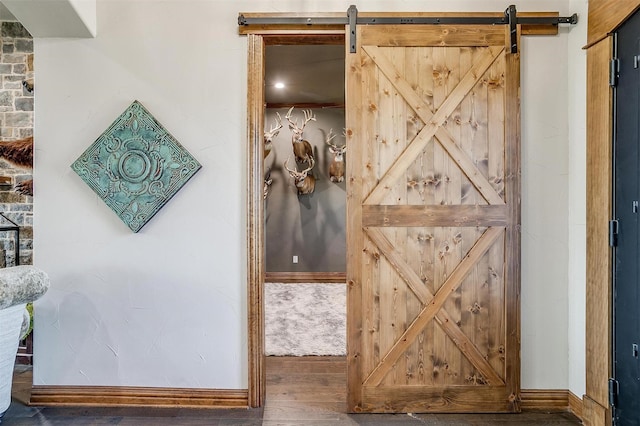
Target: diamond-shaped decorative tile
x=136, y=166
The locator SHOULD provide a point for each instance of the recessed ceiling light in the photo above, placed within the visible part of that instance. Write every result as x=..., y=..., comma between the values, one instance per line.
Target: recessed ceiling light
x=279, y=85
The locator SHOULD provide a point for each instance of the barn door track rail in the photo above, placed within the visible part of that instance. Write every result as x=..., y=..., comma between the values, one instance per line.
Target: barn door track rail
x=352, y=19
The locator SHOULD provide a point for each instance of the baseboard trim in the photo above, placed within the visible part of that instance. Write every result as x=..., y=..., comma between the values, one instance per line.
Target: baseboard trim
x=595, y=414
x=551, y=400
x=575, y=405
x=107, y=396
x=544, y=399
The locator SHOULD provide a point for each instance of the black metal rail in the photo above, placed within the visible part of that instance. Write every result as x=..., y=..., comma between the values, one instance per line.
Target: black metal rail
x=352, y=19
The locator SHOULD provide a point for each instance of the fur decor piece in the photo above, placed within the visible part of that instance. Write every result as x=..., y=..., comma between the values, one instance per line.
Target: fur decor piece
x=19, y=153
x=305, y=319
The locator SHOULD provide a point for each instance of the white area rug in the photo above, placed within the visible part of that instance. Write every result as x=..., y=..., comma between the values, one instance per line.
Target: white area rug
x=305, y=319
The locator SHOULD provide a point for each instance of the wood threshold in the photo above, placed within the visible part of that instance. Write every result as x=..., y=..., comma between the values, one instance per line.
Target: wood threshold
x=306, y=277
x=126, y=396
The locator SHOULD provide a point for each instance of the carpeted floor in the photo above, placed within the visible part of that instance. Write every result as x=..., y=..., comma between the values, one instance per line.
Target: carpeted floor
x=305, y=319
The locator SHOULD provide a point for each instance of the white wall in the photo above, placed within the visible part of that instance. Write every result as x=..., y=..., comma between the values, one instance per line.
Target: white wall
x=164, y=307
x=577, y=83
x=544, y=213
x=167, y=306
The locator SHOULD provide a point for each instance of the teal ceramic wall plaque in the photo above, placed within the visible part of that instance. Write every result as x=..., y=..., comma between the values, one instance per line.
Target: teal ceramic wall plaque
x=136, y=166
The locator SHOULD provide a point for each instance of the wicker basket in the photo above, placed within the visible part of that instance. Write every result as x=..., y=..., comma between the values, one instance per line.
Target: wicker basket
x=10, y=326
x=19, y=285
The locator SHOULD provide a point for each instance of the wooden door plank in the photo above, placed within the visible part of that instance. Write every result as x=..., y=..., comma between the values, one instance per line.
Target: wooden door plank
x=430, y=310
x=414, y=356
x=439, y=345
x=403, y=293
x=448, y=324
x=432, y=126
x=512, y=235
x=355, y=335
x=449, y=79
x=470, y=197
x=495, y=303
x=456, y=399
x=472, y=215
x=423, y=238
x=368, y=170
x=442, y=35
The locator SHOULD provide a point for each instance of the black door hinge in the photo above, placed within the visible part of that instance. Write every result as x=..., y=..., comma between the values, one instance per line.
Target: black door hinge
x=614, y=72
x=613, y=232
x=613, y=392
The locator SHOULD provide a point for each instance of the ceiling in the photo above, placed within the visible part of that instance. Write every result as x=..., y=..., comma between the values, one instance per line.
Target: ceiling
x=312, y=74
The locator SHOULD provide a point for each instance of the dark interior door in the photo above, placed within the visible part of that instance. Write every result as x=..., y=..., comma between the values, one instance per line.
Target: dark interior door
x=627, y=254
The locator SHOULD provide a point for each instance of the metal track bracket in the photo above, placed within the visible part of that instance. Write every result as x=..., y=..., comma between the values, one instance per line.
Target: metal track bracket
x=510, y=18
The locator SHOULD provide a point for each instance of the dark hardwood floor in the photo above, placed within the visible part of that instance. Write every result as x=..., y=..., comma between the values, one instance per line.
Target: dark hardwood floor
x=300, y=391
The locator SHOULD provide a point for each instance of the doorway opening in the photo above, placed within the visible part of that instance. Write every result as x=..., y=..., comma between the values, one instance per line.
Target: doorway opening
x=304, y=221
x=282, y=222
x=305, y=235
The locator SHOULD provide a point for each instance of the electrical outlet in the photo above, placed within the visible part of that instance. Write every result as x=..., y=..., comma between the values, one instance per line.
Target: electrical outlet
x=295, y=259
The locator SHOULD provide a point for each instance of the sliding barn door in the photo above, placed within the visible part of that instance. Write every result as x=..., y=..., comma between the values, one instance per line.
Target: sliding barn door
x=433, y=220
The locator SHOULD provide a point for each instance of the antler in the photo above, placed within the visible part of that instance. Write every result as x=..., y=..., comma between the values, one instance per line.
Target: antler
x=288, y=169
x=312, y=163
x=274, y=130
x=308, y=116
x=333, y=147
x=292, y=125
x=329, y=138
x=305, y=171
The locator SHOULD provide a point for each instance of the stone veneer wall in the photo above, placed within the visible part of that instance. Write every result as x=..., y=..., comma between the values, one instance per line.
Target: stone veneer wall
x=16, y=122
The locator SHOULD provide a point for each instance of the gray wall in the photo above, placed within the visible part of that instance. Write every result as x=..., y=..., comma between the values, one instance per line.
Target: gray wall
x=16, y=122
x=311, y=227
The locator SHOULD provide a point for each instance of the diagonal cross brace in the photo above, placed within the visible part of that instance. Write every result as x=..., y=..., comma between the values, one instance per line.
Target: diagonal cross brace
x=434, y=306
x=433, y=124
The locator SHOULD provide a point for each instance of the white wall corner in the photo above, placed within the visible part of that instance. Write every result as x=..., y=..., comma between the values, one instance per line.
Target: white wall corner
x=576, y=309
x=56, y=18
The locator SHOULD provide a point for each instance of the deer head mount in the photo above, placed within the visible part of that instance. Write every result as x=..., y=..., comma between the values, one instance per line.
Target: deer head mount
x=272, y=133
x=305, y=182
x=302, y=149
x=336, y=166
